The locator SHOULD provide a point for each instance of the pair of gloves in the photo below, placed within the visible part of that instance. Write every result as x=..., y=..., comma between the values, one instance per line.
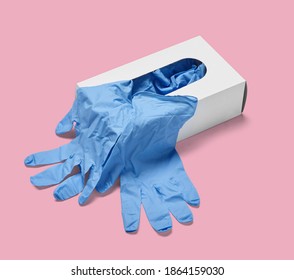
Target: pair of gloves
x=128, y=129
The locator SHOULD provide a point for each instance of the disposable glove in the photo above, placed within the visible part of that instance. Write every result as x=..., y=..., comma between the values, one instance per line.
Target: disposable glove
x=100, y=114
x=150, y=169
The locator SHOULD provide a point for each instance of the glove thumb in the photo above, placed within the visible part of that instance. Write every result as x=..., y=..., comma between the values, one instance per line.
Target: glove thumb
x=67, y=123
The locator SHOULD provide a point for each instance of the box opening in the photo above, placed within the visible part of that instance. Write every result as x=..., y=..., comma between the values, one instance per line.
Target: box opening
x=171, y=77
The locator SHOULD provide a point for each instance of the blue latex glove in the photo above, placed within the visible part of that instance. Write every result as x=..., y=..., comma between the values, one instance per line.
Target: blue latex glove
x=151, y=170
x=106, y=108
x=101, y=113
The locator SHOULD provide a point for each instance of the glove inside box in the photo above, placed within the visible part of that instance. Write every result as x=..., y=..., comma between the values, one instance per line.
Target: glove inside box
x=221, y=92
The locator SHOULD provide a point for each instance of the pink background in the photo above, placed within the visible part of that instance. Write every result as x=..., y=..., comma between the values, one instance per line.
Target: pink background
x=243, y=169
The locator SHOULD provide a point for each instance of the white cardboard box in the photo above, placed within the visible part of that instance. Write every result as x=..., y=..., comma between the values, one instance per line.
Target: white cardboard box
x=221, y=92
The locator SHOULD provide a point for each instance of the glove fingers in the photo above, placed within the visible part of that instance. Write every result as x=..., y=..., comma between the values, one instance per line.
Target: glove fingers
x=51, y=156
x=183, y=184
x=180, y=211
x=54, y=174
x=175, y=203
x=131, y=205
x=155, y=209
x=189, y=192
x=90, y=185
x=69, y=187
